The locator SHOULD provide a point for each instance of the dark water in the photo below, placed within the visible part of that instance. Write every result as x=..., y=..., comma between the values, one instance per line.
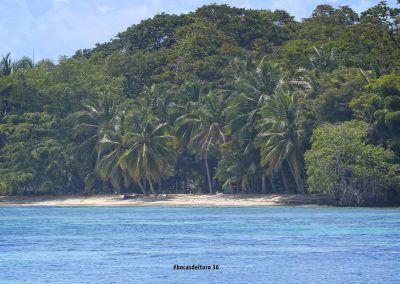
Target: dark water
x=250, y=245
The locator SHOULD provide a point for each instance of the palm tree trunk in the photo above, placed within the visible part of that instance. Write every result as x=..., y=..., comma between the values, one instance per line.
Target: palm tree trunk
x=160, y=186
x=142, y=187
x=297, y=179
x=208, y=176
x=152, y=188
x=271, y=181
x=284, y=181
x=202, y=185
x=263, y=185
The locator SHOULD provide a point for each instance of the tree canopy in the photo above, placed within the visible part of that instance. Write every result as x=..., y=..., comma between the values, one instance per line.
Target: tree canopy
x=222, y=96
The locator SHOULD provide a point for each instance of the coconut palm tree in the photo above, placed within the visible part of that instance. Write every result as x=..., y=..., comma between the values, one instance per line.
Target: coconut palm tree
x=148, y=155
x=110, y=149
x=280, y=139
x=202, y=130
x=99, y=119
x=253, y=84
x=139, y=149
x=237, y=165
x=157, y=100
x=185, y=97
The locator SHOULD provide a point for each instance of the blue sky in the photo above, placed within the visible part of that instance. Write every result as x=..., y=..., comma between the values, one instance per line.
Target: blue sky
x=52, y=28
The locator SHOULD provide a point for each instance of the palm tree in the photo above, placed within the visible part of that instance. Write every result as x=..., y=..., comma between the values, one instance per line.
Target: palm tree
x=149, y=154
x=157, y=100
x=253, y=84
x=6, y=65
x=279, y=138
x=202, y=128
x=237, y=166
x=181, y=102
x=184, y=98
x=98, y=120
x=324, y=59
x=109, y=152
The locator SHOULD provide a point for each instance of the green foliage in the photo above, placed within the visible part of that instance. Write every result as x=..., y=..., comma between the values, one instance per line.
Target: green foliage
x=351, y=172
x=202, y=129
x=336, y=90
x=380, y=105
x=222, y=95
x=237, y=166
x=30, y=153
x=280, y=139
x=6, y=65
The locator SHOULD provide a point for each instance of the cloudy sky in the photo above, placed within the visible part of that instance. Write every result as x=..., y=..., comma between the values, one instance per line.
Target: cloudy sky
x=51, y=28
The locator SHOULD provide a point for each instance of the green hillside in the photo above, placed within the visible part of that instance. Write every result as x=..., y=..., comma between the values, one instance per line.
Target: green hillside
x=223, y=98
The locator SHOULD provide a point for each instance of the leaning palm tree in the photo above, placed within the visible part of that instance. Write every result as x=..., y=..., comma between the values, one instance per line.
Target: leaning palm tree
x=149, y=154
x=202, y=130
x=280, y=139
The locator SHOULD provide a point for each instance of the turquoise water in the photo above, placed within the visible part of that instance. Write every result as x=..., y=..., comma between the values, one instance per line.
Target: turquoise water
x=249, y=245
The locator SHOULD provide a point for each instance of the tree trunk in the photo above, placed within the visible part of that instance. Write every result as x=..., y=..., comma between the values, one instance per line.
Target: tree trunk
x=284, y=181
x=296, y=178
x=263, y=185
x=152, y=188
x=142, y=187
x=208, y=176
x=271, y=181
x=305, y=180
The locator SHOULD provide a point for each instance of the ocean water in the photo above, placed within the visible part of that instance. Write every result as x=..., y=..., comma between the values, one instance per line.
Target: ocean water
x=247, y=245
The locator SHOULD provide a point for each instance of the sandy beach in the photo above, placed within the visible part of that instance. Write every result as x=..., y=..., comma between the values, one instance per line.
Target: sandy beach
x=188, y=200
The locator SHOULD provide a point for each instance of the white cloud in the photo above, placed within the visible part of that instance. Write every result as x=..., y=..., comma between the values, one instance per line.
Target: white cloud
x=103, y=8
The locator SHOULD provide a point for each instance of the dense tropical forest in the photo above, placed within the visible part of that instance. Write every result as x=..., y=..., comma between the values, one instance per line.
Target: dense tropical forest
x=223, y=98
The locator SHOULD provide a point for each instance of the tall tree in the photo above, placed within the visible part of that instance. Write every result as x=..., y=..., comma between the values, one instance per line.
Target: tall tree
x=149, y=154
x=280, y=139
x=204, y=128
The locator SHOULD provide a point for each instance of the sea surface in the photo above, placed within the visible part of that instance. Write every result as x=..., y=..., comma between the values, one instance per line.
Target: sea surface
x=247, y=245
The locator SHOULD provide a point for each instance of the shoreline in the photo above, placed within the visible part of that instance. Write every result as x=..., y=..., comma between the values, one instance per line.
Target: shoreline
x=169, y=200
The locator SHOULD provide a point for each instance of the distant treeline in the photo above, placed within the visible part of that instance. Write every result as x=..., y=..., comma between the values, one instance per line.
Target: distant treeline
x=224, y=98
